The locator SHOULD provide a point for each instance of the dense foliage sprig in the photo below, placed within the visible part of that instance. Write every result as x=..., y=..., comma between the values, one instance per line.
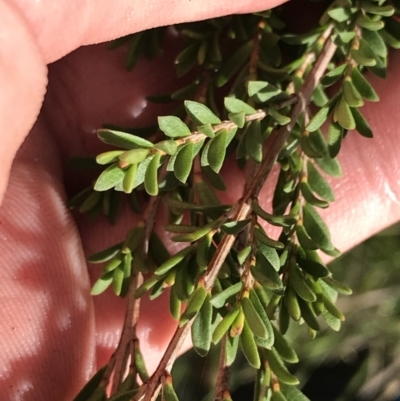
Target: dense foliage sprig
x=239, y=287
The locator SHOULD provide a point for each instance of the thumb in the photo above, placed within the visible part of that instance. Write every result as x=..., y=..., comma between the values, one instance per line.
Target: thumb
x=45, y=31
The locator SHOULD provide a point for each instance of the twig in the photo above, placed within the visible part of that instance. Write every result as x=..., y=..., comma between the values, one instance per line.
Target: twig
x=279, y=137
x=242, y=209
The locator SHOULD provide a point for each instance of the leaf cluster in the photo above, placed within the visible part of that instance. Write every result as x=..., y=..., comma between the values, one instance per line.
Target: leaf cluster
x=232, y=283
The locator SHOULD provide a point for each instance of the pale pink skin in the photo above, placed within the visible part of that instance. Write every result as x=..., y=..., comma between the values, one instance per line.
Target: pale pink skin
x=50, y=342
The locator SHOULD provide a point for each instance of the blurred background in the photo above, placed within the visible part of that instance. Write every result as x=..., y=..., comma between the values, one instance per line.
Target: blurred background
x=361, y=362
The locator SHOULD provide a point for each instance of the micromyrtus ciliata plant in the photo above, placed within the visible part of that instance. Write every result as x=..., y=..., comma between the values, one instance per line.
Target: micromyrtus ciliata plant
x=230, y=284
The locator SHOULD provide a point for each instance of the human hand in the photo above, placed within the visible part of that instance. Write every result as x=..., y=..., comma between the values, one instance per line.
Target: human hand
x=50, y=338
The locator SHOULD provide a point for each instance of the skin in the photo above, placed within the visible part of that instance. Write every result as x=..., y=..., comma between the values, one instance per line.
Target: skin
x=53, y=334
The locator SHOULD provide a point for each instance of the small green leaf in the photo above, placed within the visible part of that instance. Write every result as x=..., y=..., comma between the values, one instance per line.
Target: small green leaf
x=128, y=182
x=217, y=150
x=207, y=130
x=291, y=304
x=169, y=147
x=196, y=234
x=183, y=162
x=177, y=258
x=140, y=365
x=134, y=156
x=310, y=197
x=361, y=59
x=253, y=319
x=235, y=227
x=234, y=105
x=335, y=136
x=109, y=178
x=308, y=314
x=304, y=239
x=147, y=285
x=243, y=254
x=102, y=283
x=280, y=221
x=105, y=255
x=200, y=114
x=231, y=347
x=343, y=115
x=318, y=183
x=238, y=118
x=184, y=280
x=90, y=387
x=205, y=194
x=201, y=328
x=346, y=37
x=334, y=75
x=312, y=264
x=279, y=368
x=318, y=119
x=337, y=286
x=224, y=325
x=264, y=239
x=108, y=157
x=341, y=14
x=363, y=86
x=283, y=348
x=385, y=11
x=351, y=94
x=173, y=127
x=141, y=171
x=293, y=393
x=123, y=139
x=175, y=304
x=151, y=176
x=218, y=300
x=194, y=304
x=266, y=275
x=299, y=284
x=279, y=118
x=368, y=24
x=333, y=322
x=113, y=264
x=213, y=178
x=269, y=340
x=364, y=55
x=91, y=202
x=316, y=228
x=263, y=91
x=376, y=42
x=329, y=166
x=118, y=278
x=319, y=97
x=389, y=39
x=362, y=125
x=271, y=255
x=254, y=141
x=249, y=346
x=331, y=308
x=256, y=86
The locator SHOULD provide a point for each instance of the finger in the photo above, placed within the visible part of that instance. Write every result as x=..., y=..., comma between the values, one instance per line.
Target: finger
x=63, y=26
x=46, y=314
x=22, y=82
x=362, y=207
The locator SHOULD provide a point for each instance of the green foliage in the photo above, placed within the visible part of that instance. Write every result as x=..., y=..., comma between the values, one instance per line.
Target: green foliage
x=233, y=279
